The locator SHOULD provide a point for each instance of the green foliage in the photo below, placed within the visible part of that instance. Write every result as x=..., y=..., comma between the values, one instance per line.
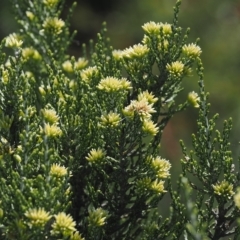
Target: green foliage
x=80, y=139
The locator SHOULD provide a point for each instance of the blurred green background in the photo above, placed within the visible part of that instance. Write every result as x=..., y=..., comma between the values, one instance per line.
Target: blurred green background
x=215, y=22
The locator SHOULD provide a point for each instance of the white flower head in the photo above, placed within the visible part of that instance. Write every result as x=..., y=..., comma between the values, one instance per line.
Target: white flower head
x=175, y=68
x=50, y=116
x=117, y=54
x=142, y=108
x=58, y=171
x=149, y=97
x=95, y=155
x=149, y=127
x=152, y=27
x=166, y=28
x=112, y=119
x=112, y=84
x=137, y=51
x=191, y=50
x=37, y=217
x=63, y=224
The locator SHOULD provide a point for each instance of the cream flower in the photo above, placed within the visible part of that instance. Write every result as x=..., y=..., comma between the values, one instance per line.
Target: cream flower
x=95, y=155
x=112, y=119
x=149, y=127
x=38, y=217
x=161, y=166
x=52, y=130
x=58, y=171
x=50, y=116
x=147, y=96
x=175, y=68
x=193, y=99
x=152, y=28
x=142, y=108
x=88, y=73
x=53, y=24
x=191, y=50
x=117, y=54
x=112, y=84
x=137, y=51
x=166, y=28
x=63, y=224
x=158, y=186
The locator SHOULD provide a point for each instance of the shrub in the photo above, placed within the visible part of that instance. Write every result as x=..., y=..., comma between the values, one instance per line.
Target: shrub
x=80, y=138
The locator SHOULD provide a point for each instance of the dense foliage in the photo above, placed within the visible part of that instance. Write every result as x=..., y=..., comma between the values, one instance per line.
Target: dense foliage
x=80, y=138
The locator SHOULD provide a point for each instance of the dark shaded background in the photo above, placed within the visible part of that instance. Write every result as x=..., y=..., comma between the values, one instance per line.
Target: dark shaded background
x=215, y=22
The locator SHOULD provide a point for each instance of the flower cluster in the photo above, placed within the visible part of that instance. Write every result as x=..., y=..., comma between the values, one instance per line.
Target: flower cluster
x=101, y=118
x=95, y=155
x=80, y=64
x=160, y=166
x=153, y=28
x=88, y=73
x=112, y=84
x=112, y=119
x=58, y=171
x=63, y=224
x=191, y=50
x=149, y=127
x=137, y=51
x=51, y=130
x=50, y=116
x=38, y=217
x=141, y=108
x=117, y=54
x=161, y=169
x=157, y=186
x=175, y=69
x=149, y=97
